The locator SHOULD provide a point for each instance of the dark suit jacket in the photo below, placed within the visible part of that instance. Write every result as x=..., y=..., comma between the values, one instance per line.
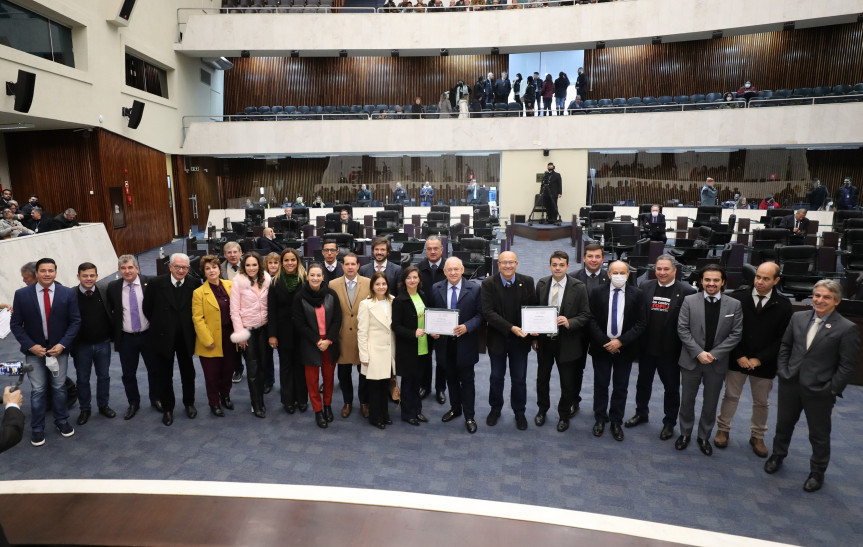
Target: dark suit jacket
x=653, y=227
x=788, y=222
x=306, y=328
x=762, y=332
x=469, y=315
x=691, y=329
x=581, y=275
x=115, y=302
x=44, y=224
x=575, y=307
x=100, y=292
x=169, y=311
x=268, y=245
x=633, y=321
x=280, y=303
x=428, y=279
x=405, y=325
x=681, y=291
x=354, y=228
x=12, y=429
x=63, y=324
x=338, y=271
x=555, y=183
x=393, y=271
x=830, y=360
x=492, y=295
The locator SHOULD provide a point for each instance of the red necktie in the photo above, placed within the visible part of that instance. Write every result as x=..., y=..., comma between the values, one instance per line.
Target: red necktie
x=47, y=298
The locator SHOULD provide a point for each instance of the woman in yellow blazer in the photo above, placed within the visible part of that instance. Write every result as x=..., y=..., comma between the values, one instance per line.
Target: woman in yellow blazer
x=211, y=314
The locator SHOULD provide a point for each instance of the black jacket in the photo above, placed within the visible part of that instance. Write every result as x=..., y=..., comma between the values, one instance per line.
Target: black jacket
x=633, y=321
x=306, y=328
x=169, y=311
x=560, y=85
x=115, y=302
x=428, y=278
x=575, y=307
x=405, y=323
x=501, y=308
x=762, y=332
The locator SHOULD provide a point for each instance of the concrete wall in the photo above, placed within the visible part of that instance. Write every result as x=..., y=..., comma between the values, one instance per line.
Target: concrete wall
x=518, y=180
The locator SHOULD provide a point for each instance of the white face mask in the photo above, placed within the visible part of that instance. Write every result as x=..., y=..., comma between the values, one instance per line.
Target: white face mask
x=654, y=213
x=747, y=86
x=619, y=280
x=728, y=98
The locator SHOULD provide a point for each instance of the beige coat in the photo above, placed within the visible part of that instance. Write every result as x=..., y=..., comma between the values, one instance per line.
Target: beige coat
x=375, y=337
x=350, y=353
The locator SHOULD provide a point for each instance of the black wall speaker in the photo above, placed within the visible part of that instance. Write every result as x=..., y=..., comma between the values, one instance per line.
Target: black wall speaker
x=545, y=152
x=126, y=9
x=135, y=113
x=23, y=90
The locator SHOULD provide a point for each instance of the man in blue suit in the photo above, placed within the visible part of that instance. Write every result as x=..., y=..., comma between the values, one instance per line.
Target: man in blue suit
x=45, y=323
x=458, y=353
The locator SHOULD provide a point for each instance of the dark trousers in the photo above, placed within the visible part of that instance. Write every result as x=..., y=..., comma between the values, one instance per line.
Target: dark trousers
x=614, y=370
x=578, y=373
x=256, y=358
x=410, y=401
x=134, y=346
x=292, y=377
x=218, y=370
x=818, y=406
x=346, y=383
x=378, y=392
x=238, y=364
x=517, y=375
x=270, y=368
x=439, y=373
x=550, y=203
x=187, y=375
x=549, y=352
x=669, y=374
x=460, y=379
x=87, y=357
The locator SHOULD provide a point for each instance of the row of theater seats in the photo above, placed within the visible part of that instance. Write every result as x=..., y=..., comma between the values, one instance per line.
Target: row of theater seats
x=274, y=6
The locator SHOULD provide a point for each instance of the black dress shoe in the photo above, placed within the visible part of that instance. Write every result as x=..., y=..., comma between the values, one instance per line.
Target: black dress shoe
x=158, y=406
x=492, y=418
x=450, y=416
x=291, y=408
x=520, y=422
x=320, y=420
x=412, y=421
x=562, y=424
x=598, y=428
x=682, y=442
x=636, y=420
x=616, y=432
x=328, y=413
x=107, y=411
x=83, y=417
x=237, y=377
x=381, y=425
x=130, y=412
x=704, y=446
x=814, y=482
x=441, y=397
x=573, y=410
x=423, y=393
x=168, y=418
x=539, y=419
x=260, y=413
x=421, y=417
x=388, y=420
x=666, y=433
x=302, y=407
x=267, y=389
x=226, y=402
x=217, y=411
x=773, y=464
x=191, y=412
x=470, y=424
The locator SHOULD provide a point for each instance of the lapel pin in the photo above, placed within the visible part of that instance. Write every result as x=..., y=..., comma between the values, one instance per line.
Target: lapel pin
x=827, y=326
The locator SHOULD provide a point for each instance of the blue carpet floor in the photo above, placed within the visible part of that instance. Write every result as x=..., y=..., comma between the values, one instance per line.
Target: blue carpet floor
x=641, y=477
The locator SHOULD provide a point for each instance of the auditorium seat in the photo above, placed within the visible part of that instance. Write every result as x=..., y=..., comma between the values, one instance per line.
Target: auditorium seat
x=766, y=241
x=316, y=111
x=303, y=111
x=501, y=110
x=802, y=92
x=797, y=264
x=782, y=94
x=764, y=94
x=357, y=111
x=852, y=243
x=713, y=97
x=681, y=99
x=473, y=253
x=278, y=112
x=620, y=101
x=634, y=101
x=697, y=98
x=251, y=111
x=821, y=91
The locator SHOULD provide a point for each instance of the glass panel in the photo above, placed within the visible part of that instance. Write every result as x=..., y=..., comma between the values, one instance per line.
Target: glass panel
x=24, y=30
x=61, y=42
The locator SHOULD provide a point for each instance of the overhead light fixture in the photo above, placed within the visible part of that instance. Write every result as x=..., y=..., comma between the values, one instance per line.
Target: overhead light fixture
x=788, y=25
x=394, y=53
x=245, y=54
x=13, y=126
x=295, y=53
x=495, y=51
x=656, y=40
x=343, y=53
x=717, y=34
x=444, y=52
x=600, y=44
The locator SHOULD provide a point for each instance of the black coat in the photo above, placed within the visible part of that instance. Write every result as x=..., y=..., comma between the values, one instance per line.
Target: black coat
x=555, y=183
x=428, y=278
x=280, y=306
x=560, y=85
x=762, y=332
x=574, y=306
x=12, y=428
x=115, y=302
x=633, y=321
x=493, y=295
x=306, y=328
x=405, y=325
x=169, y=311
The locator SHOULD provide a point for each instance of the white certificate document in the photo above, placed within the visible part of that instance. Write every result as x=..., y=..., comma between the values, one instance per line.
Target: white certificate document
x=440, y=321
x=539, y=319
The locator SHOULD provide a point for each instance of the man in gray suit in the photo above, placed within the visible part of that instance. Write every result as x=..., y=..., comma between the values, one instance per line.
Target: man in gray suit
x=816, y=359
x=708, y=193
x=709, y=327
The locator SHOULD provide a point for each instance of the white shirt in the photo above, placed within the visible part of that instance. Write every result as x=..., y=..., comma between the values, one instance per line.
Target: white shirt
x=621, y=300
x=562, y=284
x=383, y=266
x=332, y=266
x=41, y=299
x=755, y=296
x=139, y=293
x=665, y=286
x=717, y=296
x=449, y=287
x=174, y=281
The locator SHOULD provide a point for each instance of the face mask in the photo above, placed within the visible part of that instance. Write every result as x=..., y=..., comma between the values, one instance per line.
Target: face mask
x=747, y=86
x=654, y=213
x=618, y=280
x=727, y=98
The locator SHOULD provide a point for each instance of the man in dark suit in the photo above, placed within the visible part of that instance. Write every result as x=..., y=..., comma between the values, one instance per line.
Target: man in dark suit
x=126, y=298
x=168, y=307
x=502, y=297
x=653, y=225
x=45, y=323
x=12, y=428
x=364, y=195
x=616, y=323
x=459, y=353
x=569, y=296
x=40, y=223
x=710, y=326
x=66, y=219
x=289, y=211
x=431, y=271
x=766, y=314
x=798, y=224
x=660, y=346
x=332, y=268
x=348, y=226
x=817, y=195
x=552, y=186
x=92, y=347
x=817, y=357
x=845, y=197
x=267, y=242
x=592, y=275
x=381, y=248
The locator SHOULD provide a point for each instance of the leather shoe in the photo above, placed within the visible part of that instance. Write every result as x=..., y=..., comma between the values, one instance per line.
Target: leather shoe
x=260, y=413
x=616, y=432
x=302, y=407
x=83, y=417
x=704, y=446
x=450, y=416
x=539, y=420
x=412, y=421
x=421, y=417
x=573, y=410
x=158, y=406
x=423, y=393
x=682, y=442
x=226, y=402
x=470, y=424
x=346, y=410
x=666, y=433
x=320, y=420
x=520, y=422
x=168, y=418
x=758, y=447
x=563, y=424
x=130, y=412
x=636, y=420
x=380, y=425
x=364, y=410
x=217, y=411
x=267, y=389
x=492, y=418
x=773, y=464
x=388, y=420
x=814, y=482
x=441, y=397
x=290, y=408
x=598, y=428
x=328, y=413
x=191, y=412
x=721, y=439
x=107, y=411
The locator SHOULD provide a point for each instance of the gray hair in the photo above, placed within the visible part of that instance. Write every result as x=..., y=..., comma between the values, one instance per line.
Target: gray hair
x=231, y=245
x=669, y=258
x=125, y=259
x=30, y=268
x=35, y=210
x=831, y=285
x=174, y=256
x=454, y=260
x=433, y=237
x=802, y=210
x=70, y=212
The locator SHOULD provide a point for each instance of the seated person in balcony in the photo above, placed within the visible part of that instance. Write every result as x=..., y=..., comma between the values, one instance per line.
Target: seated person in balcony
x=32, y=201
x=9, y=227
x=575, y=104
x=653, y=225
x=419, y=7
x=390, y=6
x=399, y=194
x=728, y=101
x=747, y=91
x=364, y=194
x=66, y=219
x=426, y=194
x=348, y=226
x=6, y=198
x=268, y=243
x=767, y=203
x=40, y=223
x=846, y=195
x=405, y=6
x=417, y=108
x=742, y=203
x=798, y=224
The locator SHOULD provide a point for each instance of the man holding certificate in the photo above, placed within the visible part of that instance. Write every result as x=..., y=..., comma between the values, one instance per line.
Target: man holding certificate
x=569, y=296
x=458, y=352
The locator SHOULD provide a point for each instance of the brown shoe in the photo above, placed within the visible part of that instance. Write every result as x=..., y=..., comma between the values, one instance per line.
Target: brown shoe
x=758, y=447
x=721, y=439
x=346, y=411
x=364, y=409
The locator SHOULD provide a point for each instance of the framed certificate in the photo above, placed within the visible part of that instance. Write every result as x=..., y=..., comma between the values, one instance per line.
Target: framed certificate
x=539, y=319
x=440, y=321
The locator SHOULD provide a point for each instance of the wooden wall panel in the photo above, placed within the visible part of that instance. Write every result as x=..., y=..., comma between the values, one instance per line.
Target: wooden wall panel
x=811, y=57
x=310, y=81
x=203, y=184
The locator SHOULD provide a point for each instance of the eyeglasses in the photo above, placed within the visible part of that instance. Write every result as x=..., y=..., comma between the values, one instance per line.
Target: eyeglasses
x=330, y=250
x=181, y=268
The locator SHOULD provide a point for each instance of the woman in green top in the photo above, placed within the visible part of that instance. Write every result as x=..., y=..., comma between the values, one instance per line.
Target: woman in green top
x=412, y=352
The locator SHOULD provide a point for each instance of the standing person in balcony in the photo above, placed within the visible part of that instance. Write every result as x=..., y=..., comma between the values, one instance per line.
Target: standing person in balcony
x=561, y=84
x=581, y=84
x=529, y=96
x=547, y=94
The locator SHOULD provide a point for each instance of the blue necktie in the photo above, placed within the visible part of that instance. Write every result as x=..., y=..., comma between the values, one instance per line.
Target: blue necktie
x=614, y=313
x=453, y=301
